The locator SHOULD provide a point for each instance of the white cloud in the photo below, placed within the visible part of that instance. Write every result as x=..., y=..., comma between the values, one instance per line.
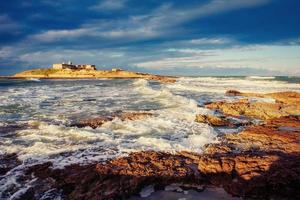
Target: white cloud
x=210, y=41
x=267, y=57
x=261, y=57
x=46, y=58
x=109, y=5
x=54, y=35
x=160, y=22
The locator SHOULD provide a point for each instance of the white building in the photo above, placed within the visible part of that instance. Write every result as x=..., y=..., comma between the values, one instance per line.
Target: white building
x=72, y=66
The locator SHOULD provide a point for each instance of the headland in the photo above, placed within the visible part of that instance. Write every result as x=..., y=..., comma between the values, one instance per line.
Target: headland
x=71, y=71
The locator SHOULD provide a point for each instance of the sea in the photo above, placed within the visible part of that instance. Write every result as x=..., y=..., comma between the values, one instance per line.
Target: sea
x=36, y=114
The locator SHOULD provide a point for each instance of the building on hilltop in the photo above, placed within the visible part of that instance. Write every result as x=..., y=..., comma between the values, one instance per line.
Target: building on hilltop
x=70, y=65
x=116, y=70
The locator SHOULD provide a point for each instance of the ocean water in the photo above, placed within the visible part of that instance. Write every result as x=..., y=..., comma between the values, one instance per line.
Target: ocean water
x=44, y=109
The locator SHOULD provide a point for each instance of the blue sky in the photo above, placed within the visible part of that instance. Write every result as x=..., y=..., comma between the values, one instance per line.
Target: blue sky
x=191, y=37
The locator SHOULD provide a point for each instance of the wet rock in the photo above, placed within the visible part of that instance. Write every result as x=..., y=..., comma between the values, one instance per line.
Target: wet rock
x=8, y=162
x=233, y=93
x=212, y=120
x=221, y=121
x=151, y=163
x=262, y=161
x=10, y=129
x=250, y=175
x=287, y=103
x=258, y=110
x=99, y=121
x=133, y=115
x=281, y=97
x=163, y=79
x=93, y=122
x=118, y=178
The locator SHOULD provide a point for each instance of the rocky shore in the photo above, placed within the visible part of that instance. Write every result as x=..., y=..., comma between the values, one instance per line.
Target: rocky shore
x=89, y=74
x=260, y=162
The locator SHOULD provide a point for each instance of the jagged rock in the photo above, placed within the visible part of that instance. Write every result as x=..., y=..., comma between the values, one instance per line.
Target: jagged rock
x=233, y=93
x=288, y=97
x=262, y=161
x=8, y=162
x=151, y=163
x=212, y=120
x=287, y=103
x=220, y=121
x=276, y=135
x=258, y=110
x=99, y=121
x=118, y=178
x=254, y=175
x=93, y=122
x=133, y=115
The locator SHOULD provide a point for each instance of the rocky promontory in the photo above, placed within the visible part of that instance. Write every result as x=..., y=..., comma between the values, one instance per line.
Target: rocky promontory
x=89, y=74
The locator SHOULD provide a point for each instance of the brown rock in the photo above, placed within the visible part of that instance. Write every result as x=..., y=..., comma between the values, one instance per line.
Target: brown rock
x=119, y=177
x=133, y=115
x=163, y=79
x=281, y=97
x=238, y=93
x=220, y=121
x=213, y=120
x=259, y=110
x=99, y=121
x=287, y=103
x=254, y=175
x=94, y=122
x=233, y=93
x=262, y=161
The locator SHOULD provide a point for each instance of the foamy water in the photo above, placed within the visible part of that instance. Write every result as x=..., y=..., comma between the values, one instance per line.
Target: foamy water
x=50, y=106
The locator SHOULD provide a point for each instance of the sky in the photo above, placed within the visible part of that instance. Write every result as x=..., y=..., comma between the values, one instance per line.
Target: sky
x=175, y=37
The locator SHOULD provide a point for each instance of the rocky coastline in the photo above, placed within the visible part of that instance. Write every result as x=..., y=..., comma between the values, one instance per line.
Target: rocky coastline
x=260, y=162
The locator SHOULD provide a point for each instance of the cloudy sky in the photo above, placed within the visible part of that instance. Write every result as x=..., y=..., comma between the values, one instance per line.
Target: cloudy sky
x=191, y=37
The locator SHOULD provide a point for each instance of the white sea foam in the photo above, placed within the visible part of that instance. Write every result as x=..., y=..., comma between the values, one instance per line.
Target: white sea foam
x=172, y=128
x=261, y=77
x=221, y=85
x=147, y=191
x=50, y=107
